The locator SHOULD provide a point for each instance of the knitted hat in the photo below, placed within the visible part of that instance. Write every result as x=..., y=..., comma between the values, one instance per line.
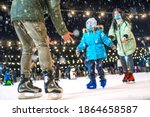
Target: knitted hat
x=92, y=21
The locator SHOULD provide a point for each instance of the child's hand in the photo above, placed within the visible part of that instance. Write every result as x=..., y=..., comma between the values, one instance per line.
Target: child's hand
x=113, y=47
x=77, y=53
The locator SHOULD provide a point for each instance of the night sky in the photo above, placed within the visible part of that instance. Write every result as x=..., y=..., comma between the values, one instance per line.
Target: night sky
x=141, y=27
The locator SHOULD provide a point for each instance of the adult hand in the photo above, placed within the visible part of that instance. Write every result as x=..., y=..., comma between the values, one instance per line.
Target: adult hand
x=67, y=37
x=48, y=40
x=124, y=39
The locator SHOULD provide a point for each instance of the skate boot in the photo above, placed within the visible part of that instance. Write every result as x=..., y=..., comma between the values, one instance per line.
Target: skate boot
x=103, y=82
x=7, y=83
x=91, y=84
x=130, y=78
x=26, y=90
x=51, y=87
x=125, y=77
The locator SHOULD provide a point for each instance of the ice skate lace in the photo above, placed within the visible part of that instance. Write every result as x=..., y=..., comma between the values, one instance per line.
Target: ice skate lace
x=56, y=82
x=30, y=84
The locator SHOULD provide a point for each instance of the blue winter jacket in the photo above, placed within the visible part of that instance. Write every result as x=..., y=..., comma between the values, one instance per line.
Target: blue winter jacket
x=7, y=75
x=94, y=42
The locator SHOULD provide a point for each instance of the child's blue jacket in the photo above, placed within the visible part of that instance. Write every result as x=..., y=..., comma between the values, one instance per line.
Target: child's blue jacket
x=94, y=42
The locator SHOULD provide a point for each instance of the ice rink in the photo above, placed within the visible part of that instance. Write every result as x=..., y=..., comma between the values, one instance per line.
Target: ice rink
x=76, y=89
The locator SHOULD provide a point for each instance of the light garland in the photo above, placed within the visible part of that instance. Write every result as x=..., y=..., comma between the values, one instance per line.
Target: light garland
x=87, y=12
x=139, y=54
x=103, y=13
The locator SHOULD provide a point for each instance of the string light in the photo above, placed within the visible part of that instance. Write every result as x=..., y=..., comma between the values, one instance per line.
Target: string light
x=87, y=13
x=144, y=15
x=131, y=16
x=4, y=7
x=55, y=42
x=73, y=12
x=102, y=14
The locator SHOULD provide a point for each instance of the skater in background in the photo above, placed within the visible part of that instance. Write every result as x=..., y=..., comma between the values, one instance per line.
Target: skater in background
x=7, y=77
x=13, y=76
x=120, y=29
x=93, y=41
x=119, y=65
x=27, y=17
x=147, y=65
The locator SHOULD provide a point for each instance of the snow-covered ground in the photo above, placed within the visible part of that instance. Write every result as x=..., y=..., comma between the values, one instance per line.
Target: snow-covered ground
x=76, y=89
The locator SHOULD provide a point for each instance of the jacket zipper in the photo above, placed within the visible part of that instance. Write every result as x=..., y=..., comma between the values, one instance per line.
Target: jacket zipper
x=121, y=42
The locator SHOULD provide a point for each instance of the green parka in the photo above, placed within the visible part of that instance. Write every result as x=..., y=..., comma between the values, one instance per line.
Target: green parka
x=123, y=29
x=33, y=10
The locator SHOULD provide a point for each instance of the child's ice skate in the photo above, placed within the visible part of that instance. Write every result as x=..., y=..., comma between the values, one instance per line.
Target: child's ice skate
x=130, y=78
x=52, y=88
x=91, y=84
x=26, y=90
x=103, y=82
x=125, y=77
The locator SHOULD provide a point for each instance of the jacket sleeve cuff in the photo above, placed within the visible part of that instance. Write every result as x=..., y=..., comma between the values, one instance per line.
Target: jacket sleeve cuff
x=111, y=37
x=63, y=31
x=126, y=36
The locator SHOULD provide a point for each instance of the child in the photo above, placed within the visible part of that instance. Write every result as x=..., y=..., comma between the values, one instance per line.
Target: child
x=126, y=45
x=93, y=41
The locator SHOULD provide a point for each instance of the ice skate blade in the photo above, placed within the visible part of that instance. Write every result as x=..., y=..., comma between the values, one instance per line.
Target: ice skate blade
x=130, y=82
x=54, y=96
x=92, y=87
x=29, y=95
x=51, y=90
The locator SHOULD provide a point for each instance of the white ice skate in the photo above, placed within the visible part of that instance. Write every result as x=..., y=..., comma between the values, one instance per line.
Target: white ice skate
x=27, y=95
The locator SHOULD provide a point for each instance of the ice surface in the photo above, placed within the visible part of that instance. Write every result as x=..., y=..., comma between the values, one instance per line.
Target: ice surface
x=76, y=89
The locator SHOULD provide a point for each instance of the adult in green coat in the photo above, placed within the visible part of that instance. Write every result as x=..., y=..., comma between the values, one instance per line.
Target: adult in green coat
x=27, y=16
x=120, y=29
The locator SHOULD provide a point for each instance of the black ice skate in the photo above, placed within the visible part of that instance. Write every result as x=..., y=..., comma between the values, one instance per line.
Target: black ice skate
x=26, y=90
x=52, y=88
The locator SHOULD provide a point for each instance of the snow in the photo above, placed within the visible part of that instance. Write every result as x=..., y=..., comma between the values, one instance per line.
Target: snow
x=76, y=89
x=76, y=33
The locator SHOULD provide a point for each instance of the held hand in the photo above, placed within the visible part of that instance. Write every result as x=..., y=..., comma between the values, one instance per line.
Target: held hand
x=77, y=53
x=67, y=37
x=123, y=40
x=113, y=47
